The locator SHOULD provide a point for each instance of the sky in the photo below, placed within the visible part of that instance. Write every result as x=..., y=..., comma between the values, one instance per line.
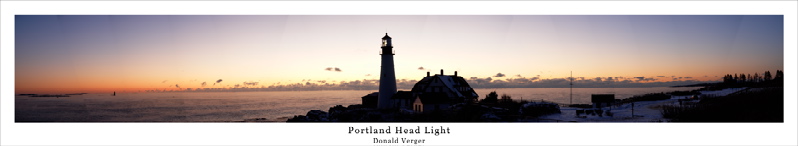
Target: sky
x=259, y=51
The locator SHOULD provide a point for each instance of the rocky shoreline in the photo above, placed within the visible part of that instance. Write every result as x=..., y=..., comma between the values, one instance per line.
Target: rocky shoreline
x=507, y=111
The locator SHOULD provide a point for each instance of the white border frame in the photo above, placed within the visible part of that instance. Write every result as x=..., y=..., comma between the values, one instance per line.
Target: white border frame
x=336, y=133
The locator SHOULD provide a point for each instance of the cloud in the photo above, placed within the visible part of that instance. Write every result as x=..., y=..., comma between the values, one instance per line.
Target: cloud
x=682, y=78
x=217, y=82
x=520, y=80
x=660, y=76
x=368, y=75
x=164, y=81
x=518, y=75
x=421, y=68
x=336, y=69
x=250, y=83
x=639, y=79
x=204, y=83
x=499, y=75
x=475, y=82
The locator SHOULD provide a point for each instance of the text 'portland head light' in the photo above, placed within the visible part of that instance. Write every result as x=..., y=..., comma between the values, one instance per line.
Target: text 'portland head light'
x=387, y=74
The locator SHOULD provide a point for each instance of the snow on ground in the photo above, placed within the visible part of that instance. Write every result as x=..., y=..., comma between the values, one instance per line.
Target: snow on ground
x=644, y=111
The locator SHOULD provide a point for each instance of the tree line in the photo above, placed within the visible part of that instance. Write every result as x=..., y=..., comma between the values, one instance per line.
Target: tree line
x=756, y=78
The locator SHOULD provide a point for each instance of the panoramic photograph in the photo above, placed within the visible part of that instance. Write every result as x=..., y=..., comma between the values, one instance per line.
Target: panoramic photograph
x=399, y=68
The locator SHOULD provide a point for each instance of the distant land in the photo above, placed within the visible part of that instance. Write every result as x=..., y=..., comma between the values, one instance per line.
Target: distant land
x=698, y=85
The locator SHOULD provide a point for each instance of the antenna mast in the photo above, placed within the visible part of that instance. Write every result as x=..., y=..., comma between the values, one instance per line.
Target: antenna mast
x=572, y=88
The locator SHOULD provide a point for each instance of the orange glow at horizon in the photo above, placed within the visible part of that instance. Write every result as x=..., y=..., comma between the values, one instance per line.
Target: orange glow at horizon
x=178, y=52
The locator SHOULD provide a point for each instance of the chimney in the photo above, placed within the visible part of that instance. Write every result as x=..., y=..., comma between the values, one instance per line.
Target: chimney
x=441, y=71
x=455, y=73
x=427, y=73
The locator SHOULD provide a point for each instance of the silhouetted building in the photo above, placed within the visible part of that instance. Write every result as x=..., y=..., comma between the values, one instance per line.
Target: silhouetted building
x=370, y=100
x=602, y=100
x=441, y=91
x=402, y=99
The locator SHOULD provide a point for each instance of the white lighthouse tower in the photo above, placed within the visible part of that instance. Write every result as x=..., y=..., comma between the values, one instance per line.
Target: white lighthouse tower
x=387, y=74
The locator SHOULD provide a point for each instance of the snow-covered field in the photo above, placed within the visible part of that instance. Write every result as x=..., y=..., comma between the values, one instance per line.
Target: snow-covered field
x=644, y=111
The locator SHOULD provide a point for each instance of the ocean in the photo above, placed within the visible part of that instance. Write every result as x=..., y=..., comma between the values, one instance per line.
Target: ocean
x=245, y=106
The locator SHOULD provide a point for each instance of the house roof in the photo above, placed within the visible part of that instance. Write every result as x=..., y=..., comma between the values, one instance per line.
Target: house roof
x=449, y=82
x=372, y=95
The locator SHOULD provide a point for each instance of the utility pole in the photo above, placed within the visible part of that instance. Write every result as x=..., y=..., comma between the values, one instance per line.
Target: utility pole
x=633, y=109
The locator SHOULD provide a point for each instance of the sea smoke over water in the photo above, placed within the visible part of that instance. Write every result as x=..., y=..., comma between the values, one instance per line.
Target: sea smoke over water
x=239, y=106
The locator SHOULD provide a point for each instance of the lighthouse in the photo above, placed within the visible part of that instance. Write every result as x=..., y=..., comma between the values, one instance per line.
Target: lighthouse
x=387, y=74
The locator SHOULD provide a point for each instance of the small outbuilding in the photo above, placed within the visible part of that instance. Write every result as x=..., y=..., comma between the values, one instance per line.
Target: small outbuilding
x=602, y=100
